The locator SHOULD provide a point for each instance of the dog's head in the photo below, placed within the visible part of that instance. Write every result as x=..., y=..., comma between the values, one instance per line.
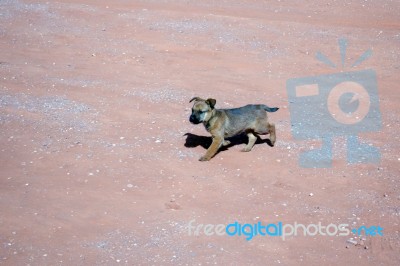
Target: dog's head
x=201, y=110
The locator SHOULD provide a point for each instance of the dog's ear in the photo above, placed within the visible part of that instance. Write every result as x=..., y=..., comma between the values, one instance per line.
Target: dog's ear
x=211, y=102
x=196, y=99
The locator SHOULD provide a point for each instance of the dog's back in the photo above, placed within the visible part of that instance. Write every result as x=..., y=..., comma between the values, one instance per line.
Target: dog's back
x=242, y=118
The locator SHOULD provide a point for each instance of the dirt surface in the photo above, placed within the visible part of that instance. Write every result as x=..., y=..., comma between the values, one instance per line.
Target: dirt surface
x=99, y=163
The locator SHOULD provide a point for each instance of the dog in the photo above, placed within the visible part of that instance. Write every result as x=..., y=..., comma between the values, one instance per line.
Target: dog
x=225, y=123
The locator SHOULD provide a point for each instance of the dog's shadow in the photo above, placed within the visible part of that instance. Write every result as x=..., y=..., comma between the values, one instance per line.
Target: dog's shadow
x=193, y=141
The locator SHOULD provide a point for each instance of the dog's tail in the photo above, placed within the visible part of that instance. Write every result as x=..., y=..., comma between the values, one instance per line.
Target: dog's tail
x=270, y=109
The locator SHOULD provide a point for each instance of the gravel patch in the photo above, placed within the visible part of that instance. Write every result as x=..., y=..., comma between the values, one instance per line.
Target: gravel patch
x=158, y=95
x=64, y=114
x=129, y=247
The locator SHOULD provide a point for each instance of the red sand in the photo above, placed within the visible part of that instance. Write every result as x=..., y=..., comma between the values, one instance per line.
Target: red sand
x=94, y=111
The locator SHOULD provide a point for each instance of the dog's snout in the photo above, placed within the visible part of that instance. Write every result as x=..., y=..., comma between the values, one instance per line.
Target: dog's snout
x=193, y=119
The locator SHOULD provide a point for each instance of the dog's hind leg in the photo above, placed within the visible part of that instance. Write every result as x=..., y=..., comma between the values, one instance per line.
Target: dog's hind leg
x=264, y=127
x=272, y=133
x=250, y=144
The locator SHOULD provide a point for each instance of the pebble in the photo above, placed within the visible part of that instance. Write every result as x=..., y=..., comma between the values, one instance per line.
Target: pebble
x=311, y=194
x=129, y=186
x=351, y=241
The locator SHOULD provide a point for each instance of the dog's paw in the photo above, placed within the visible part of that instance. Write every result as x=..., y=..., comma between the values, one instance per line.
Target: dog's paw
x=226, y=143
x=204, y=158
x=245, y=149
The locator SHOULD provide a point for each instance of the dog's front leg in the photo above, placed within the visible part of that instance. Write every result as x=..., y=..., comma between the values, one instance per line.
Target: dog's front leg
x=212, y=150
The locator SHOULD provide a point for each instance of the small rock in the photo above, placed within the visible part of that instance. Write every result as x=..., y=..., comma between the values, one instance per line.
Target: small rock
x=351, y=241
x=311, y=194
x=172, y=206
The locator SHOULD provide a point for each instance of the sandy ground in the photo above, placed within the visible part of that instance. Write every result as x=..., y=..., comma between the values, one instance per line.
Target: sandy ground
x=99, y=164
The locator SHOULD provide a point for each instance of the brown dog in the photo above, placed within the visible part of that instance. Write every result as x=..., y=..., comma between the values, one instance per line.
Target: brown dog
x=224, y=123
